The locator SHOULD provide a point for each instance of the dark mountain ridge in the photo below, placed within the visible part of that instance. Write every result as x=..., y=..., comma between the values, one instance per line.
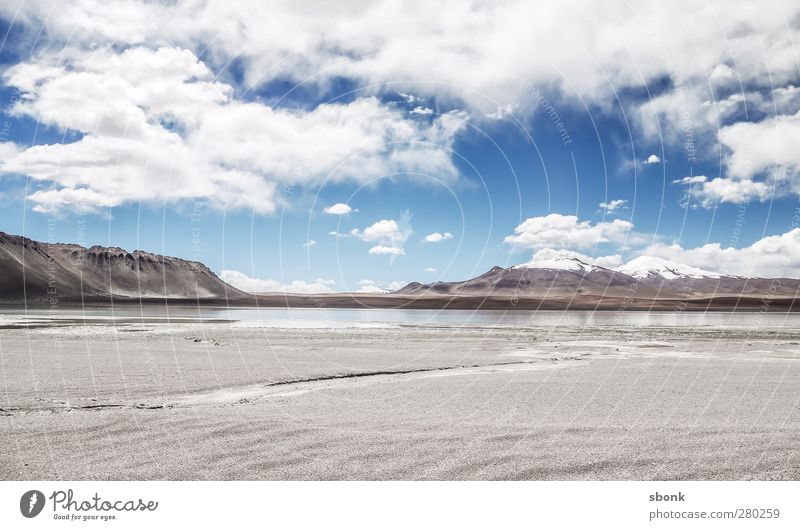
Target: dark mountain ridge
x=52, y=272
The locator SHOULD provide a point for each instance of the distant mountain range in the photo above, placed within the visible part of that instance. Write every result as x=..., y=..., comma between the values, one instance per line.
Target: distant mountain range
x=643, y=277
x=43, y=273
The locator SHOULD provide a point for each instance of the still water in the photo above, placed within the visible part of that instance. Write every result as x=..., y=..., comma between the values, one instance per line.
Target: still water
x=344, y=318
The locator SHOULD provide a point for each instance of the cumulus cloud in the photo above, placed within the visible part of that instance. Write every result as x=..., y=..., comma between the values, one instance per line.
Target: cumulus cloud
x=422, y=111
x=732, y=190
x=256, y=285
x=761, y=161
x=479, y=52
x=437, y=237
x=611, y=206
x=371, y=286
x=761, y=146
x=390, y=235
x=486, y=56
x=710, y=191
x=156, y=125
x=411, y=98
x=772, y=256
x=652, y=159
x=695, y=179
x=382, y=249
x=502, y=112
x=430, y=269
x=310, y=243
x=566, y=231
x=555, y=236
x=383, y=230
x=338, y=209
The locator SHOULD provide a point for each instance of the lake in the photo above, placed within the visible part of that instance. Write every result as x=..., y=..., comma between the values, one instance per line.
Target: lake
x=344, y=318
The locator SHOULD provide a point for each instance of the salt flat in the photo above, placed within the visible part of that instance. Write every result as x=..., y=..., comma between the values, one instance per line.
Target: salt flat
x=216, y=400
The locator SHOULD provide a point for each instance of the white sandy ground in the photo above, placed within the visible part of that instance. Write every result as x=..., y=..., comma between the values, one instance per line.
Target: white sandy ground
x=220, y=401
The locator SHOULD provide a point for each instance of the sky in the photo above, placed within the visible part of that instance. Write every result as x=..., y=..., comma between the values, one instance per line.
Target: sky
x=332, y=146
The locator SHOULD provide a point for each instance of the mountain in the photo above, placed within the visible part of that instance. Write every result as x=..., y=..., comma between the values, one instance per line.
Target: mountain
x=559, y=277
x=651, y=267
x=559, y=263
x=645, y=277
x=49, y=272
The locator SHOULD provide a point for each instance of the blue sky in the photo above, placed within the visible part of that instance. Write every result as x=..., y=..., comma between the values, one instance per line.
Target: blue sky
x=207, y=141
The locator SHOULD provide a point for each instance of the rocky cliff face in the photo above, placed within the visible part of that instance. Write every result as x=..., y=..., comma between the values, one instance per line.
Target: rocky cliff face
x=45, y=272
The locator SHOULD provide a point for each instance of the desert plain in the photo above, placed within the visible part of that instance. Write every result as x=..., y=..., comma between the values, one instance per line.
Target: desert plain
x=139, y=398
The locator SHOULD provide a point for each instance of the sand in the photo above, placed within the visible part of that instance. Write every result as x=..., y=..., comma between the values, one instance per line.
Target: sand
x=141, y=400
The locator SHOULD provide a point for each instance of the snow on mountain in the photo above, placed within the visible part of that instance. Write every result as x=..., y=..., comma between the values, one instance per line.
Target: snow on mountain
x=646, y=266
x=558, y=263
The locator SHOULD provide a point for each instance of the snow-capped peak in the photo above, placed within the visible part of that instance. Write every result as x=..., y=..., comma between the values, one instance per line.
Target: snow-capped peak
x=645, y=266
x=558, y=263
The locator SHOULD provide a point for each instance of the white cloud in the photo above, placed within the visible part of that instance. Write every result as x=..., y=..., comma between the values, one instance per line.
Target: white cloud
x=411, y=98
x=733, y=191
x=737, y=191
x=310, y=243
x=422, y=111
x=695, y=179
x=257, y=285
x=371, y=286
x=388, y=233
x=437, y=237
x=383, y=230
x=758, y=147
x=338, y=209
x=763, y=161
x=652, y=159
x=722, y=73
x=502, y=112
x=157, y=126
x=382, y=249
x=566, y=231
x=86, y=200
x=484, y=56
x=613, y=205
x=772, y=256
x=430, y=269
x=479, y=52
